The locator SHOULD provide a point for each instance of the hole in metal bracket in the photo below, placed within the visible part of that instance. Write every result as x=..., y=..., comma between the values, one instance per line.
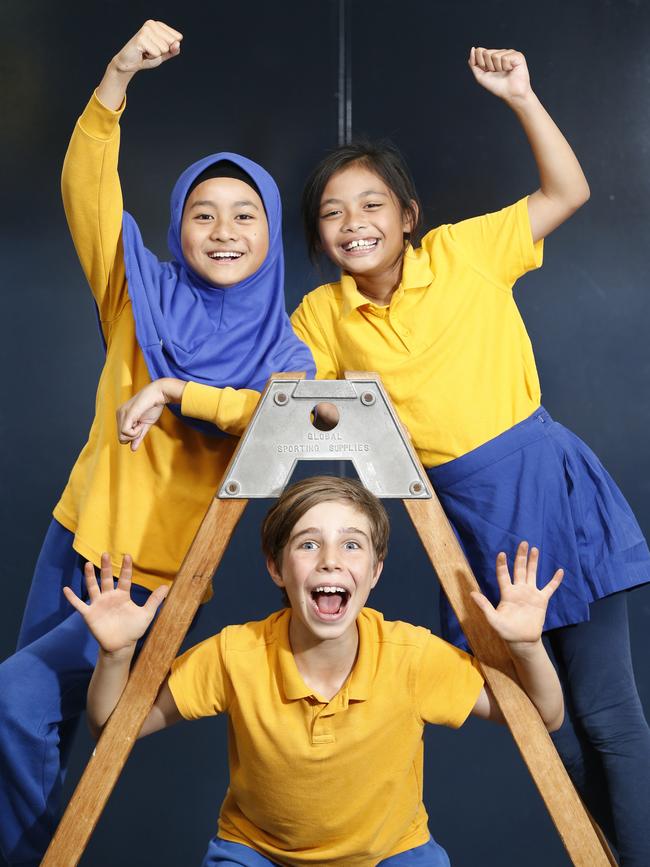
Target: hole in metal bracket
x=324, y=416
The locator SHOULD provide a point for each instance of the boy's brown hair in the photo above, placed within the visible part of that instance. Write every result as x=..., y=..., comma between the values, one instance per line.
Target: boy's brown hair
x=298, y=499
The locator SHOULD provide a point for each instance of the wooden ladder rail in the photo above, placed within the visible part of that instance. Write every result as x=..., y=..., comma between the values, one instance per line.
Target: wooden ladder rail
x=583, y=840
x=151, y=668
x=585, y=845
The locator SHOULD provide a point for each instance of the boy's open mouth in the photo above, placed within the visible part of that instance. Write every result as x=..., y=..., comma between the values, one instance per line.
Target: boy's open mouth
x=330, y=600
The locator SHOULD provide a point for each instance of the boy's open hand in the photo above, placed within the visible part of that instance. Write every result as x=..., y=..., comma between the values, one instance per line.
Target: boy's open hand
x=153, y=44
x=113, y=618
x=502, y=71
x=519, y=616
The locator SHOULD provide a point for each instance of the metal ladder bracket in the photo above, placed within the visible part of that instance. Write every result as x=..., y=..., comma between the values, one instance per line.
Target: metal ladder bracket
x=368, y=433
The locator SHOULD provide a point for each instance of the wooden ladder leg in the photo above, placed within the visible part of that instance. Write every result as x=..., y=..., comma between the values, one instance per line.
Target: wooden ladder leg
x=152, y=666
x=584, y=846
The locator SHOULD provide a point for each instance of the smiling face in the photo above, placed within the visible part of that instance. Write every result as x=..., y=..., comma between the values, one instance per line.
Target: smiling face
x=361, y=223
x=328, y=568
x=224, y=231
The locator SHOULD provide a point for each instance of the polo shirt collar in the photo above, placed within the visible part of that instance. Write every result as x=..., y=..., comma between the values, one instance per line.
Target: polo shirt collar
x=416, y=273
x=293, y=684
x=360, y=681
x=352, y=298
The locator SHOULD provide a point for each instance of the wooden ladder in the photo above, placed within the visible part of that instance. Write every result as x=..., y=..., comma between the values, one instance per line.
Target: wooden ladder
x=370, y=435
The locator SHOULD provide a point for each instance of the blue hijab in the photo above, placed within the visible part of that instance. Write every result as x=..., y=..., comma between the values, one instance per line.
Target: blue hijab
x=190, y=329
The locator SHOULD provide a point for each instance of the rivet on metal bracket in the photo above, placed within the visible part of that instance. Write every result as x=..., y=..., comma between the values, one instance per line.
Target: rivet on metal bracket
x=281, y=398
x=416, y=487
x=233, y=488
x=367, y=398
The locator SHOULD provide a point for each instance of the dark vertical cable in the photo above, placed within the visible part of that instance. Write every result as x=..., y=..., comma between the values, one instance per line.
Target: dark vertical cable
x=345, y=73
x=345, y=111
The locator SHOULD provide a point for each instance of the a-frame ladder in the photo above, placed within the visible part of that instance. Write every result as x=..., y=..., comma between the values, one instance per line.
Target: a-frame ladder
x=370, y=435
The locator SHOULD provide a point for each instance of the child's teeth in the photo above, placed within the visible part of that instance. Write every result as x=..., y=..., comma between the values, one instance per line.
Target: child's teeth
x=360, y=243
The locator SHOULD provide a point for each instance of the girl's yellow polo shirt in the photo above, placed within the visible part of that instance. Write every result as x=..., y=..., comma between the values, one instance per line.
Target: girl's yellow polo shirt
x=318, y=782
x=451, y=347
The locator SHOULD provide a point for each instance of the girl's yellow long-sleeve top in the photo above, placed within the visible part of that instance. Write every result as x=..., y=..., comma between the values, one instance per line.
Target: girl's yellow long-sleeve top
x=147, y=503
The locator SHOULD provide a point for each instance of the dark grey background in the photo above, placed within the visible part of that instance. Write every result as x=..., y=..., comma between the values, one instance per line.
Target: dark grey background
x=261, y=78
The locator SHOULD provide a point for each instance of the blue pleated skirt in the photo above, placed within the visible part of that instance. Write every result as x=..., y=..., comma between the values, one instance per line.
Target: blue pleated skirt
x=539, y=482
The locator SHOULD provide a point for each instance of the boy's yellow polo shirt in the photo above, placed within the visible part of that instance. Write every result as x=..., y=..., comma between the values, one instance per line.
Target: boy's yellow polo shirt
x=317, y=782
x=451, y=347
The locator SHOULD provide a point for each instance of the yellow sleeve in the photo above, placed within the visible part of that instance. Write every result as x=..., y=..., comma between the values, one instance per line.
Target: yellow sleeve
x=447, y=683
x=498, y=245
x=92, y=198
x=229, y=408
x=199, y=681
x=305, y=321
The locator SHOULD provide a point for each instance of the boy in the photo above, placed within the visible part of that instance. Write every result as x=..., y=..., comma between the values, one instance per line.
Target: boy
x=325, y=693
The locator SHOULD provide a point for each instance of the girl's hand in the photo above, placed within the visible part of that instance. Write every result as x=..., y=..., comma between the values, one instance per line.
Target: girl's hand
x=135, y=417
x=113, y=618
x=153, y=44
x=519, y=616
x=502, y=71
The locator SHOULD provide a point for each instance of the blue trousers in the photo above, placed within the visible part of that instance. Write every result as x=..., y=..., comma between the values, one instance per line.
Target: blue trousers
x=223, y=853
x=604, y=741
x=42, y=694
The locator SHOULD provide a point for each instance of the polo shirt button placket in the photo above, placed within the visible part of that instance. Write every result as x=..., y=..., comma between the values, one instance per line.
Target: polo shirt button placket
x=401, y=331
x=322, y=727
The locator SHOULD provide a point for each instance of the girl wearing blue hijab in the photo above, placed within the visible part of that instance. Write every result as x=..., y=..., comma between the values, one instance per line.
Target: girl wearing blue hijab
x=215, y=316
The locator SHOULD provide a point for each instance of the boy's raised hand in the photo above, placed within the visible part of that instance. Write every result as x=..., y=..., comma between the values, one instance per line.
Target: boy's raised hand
x=502, y=71
x=113, y=618
x=519, y=616
x=153, y=44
